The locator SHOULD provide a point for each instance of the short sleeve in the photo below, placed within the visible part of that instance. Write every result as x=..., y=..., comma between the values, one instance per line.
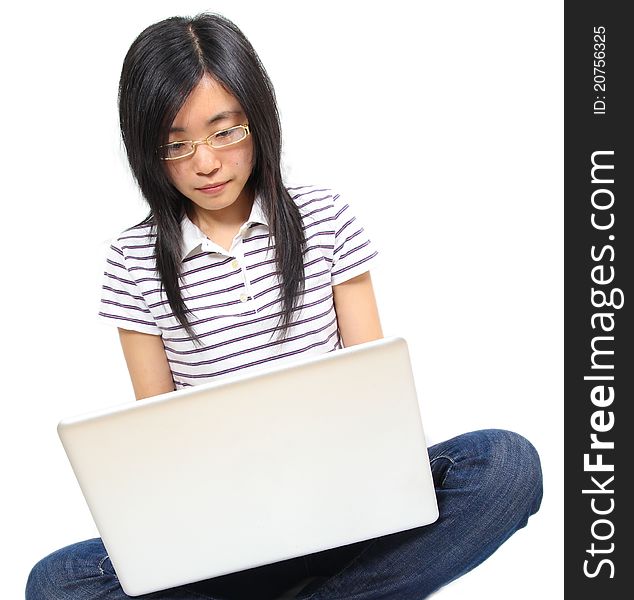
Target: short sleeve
x=122, y=302
x=353, y=252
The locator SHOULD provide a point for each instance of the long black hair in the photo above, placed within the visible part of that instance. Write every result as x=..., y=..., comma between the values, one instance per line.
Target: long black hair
x=161, y=68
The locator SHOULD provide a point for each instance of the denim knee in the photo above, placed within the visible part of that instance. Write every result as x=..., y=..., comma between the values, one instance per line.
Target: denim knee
x=69, y=572
x=516, y=461
x=40, y=581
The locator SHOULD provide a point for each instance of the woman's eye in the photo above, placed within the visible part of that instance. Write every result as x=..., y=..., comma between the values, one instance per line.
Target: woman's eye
x=223, y=134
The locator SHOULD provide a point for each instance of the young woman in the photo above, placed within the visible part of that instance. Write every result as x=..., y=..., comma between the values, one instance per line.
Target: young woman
x=234, y=270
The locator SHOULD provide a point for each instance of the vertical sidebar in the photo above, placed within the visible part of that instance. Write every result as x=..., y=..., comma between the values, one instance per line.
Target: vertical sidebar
x=599, y=268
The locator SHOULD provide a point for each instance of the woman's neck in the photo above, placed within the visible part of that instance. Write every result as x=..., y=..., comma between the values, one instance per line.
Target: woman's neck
x=222, y=225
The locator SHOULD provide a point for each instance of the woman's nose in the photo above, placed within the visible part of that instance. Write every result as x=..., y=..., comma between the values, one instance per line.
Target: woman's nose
x=206, y=159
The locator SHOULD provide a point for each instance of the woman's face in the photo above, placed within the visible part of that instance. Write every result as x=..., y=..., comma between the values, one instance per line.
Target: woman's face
x=213, y=179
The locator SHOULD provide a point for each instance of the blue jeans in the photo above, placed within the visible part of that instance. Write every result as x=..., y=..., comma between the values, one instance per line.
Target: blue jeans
x=487, y=482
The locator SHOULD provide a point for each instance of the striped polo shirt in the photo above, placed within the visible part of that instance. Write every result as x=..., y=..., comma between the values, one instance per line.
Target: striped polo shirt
x=233, y=294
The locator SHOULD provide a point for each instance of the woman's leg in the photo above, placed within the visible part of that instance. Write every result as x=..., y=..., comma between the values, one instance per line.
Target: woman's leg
x=83, y=571
x=487, y=483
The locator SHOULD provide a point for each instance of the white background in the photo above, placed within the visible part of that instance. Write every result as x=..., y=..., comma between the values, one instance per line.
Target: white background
x=443, y=124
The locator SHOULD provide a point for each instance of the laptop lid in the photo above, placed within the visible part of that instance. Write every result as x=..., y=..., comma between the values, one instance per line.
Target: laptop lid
x=315, y=453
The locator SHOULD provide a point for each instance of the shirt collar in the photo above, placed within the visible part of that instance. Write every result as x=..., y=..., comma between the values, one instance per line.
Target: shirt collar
x=194, y=238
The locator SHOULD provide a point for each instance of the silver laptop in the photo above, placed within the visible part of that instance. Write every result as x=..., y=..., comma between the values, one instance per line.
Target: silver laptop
x=314, y=453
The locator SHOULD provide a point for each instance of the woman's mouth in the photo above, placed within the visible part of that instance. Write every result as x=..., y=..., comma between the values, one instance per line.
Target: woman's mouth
x=212, y=188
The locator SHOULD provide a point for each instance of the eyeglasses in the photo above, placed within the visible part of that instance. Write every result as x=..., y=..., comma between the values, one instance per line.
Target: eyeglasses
x=220, y=139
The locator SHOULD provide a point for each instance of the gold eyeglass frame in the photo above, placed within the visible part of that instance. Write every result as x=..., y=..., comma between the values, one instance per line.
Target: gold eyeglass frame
x=196, y=143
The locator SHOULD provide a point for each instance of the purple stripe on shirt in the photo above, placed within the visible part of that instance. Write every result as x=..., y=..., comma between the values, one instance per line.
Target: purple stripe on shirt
x=355, y=249
x=190, y=286
x=318, y=247
x=243, y=352
x=195, y=309
x=209, y=267
x=197, y=297
x=261, y=361
x=266, y=249
x=254, y=238
x=178, y=383
x=137, y=247
x=127, y=319
x=151, y=269
x=138, y=226
x=318, y=274
x=312, y=190
x=195, y=284
x=126, y=281
x=317, y=234
x=122, y=292
x=344, y=227
x=316, y=210
x=314, y=261
x=321, y=221
x=255, y=321
x=220, y=263
x=148, y=257
x=308, y=291
x=145, y=279
x=327, y=197
x=230, y=273
x=194, y=256
x=258, y=296
x=305, y=292
x=270, y=261
x=327, y=298
x=323, y=247
x=340, y=208
x=303, y=206
x=352, y=266
x=344, y=242
x=124, y=306
x=263, y=277
x=137, y=237
x=115, y=264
